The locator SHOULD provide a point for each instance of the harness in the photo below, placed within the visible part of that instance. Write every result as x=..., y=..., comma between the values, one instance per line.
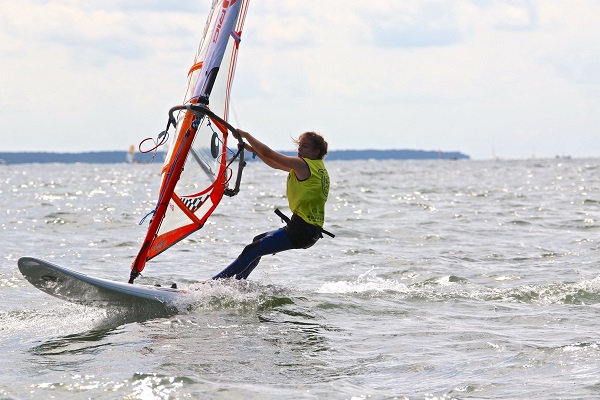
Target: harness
x=287, y=220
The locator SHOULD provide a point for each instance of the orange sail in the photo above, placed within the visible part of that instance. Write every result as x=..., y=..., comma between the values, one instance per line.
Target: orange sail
x=199, y=156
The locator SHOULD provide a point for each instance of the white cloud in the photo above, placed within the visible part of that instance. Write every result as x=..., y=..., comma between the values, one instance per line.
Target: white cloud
x=468, y=75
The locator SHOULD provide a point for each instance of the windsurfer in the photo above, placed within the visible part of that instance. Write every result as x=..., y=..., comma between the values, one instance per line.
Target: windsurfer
x=307, y=191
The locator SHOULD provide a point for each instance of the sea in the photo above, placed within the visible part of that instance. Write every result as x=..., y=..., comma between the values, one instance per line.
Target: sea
x=469, y=279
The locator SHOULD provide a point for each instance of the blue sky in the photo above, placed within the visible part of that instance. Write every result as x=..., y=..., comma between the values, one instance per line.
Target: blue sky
x=512, y=79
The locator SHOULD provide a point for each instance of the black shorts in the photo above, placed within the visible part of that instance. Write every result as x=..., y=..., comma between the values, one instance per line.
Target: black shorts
x=302, y=234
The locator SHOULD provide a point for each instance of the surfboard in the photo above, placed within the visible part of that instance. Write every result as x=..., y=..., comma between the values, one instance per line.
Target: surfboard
x=87, y=290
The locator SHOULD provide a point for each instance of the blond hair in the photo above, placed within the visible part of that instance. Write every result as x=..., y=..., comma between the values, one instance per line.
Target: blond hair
x=317, y=142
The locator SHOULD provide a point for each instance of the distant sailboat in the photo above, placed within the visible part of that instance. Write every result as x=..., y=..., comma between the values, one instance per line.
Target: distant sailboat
x=130, y=157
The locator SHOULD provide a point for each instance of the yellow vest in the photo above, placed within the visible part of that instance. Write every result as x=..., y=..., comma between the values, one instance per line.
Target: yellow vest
x=307, y=198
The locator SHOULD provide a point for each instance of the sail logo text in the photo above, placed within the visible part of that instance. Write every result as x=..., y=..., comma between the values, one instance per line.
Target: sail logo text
x=226, y=5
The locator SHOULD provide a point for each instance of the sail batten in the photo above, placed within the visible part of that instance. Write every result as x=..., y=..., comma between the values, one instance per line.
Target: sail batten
x=197, y=170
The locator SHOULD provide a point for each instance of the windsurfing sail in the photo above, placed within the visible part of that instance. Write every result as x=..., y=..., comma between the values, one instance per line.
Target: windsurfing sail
x=199, y=166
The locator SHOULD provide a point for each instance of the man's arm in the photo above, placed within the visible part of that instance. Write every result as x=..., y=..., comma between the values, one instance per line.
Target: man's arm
x=267, y=161
x=275, y=159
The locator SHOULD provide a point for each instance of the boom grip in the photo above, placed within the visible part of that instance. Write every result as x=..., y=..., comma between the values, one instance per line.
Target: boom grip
x=202, y=111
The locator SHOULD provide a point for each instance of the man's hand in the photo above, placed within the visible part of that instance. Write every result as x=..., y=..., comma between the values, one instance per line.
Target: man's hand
x=240, y=134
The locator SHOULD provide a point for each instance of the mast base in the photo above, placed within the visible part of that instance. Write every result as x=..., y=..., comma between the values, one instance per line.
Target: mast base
x=133, y=276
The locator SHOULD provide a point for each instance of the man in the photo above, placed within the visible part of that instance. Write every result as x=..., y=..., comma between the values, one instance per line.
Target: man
x=307, y=191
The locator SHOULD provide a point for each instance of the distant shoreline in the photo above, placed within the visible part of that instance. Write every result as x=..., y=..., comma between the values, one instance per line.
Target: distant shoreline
x=111, y=157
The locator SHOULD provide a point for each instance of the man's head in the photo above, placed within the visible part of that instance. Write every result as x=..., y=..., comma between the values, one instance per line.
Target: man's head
x=311, y=145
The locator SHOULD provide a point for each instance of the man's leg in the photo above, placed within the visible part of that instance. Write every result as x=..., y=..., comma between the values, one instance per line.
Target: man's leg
x=266, y=243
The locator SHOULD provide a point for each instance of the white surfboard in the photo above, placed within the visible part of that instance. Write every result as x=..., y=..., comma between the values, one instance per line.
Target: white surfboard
x=83, y=289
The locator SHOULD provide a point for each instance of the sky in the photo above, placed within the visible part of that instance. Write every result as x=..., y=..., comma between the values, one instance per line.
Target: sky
x=511, y=79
